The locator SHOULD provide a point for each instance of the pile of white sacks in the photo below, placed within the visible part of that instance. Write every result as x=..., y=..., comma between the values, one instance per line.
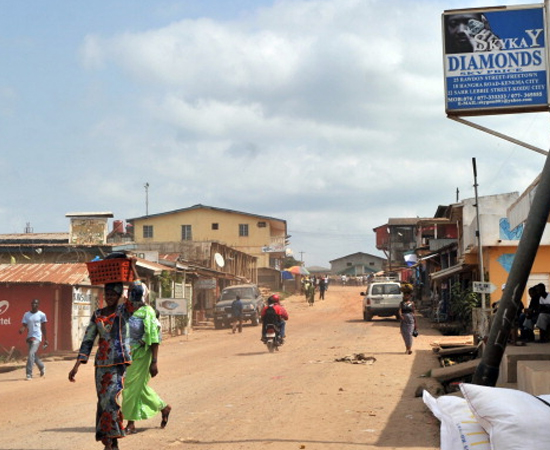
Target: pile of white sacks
x=491, y=418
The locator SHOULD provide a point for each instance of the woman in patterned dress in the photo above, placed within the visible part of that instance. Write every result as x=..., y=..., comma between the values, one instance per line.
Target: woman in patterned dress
x=112, y=357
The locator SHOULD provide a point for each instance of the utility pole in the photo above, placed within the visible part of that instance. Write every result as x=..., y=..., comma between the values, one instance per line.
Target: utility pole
x=479, y=243
x=302, y=258
x=488, y=369
x=146, y=186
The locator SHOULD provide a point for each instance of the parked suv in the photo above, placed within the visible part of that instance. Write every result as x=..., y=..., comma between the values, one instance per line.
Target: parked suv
x=382, y=299
x=252, y=301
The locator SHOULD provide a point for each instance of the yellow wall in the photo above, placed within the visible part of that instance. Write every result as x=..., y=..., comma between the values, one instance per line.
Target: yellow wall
x=498, y=275
x=167, y=228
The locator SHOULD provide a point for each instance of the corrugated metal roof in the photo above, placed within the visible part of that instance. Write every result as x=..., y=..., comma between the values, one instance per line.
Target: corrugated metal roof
x=68, y=274
x=396, y=221
x=38, y=237
x=154, y=267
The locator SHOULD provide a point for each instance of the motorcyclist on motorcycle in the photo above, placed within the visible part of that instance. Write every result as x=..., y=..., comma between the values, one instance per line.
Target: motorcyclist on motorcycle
x=281, y=316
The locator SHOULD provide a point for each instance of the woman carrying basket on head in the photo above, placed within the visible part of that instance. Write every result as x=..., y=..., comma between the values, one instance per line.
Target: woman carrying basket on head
x=110, y=324
x=407, y=318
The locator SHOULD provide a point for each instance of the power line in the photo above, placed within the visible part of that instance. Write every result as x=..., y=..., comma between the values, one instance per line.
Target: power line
x=332, y=235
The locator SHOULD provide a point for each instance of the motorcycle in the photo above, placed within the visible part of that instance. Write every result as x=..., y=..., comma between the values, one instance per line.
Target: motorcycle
x=272, y=337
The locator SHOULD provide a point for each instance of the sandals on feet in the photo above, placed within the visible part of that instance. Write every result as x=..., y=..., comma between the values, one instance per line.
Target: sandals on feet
x=165, y=415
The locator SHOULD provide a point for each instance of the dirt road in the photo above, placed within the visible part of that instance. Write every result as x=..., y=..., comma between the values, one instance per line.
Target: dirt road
x=227, y=392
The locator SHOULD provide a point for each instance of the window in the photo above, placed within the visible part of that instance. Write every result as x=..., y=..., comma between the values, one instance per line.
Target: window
x=378, y=289
x=215, y=226
x=186, y=234
x=243, y=229
x=147, y=231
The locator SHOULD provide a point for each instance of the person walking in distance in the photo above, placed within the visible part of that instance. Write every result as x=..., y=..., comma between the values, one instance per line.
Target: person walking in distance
x=407, y=318
x=322, y=288
x=237, y=314
x=310, y=292
x=34, y=322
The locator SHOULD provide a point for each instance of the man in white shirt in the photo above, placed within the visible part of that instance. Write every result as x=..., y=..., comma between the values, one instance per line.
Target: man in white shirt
x=34, y=321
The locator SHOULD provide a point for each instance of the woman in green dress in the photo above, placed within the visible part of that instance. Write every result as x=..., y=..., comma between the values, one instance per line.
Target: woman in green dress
x=140, y=401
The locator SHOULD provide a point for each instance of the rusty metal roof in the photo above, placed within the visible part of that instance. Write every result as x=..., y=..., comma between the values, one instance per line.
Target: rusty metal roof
x=37, y=238
x=152, y=266
x=68, y=274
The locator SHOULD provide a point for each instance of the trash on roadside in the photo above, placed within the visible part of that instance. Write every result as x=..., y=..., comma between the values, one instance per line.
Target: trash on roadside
x=357, y=358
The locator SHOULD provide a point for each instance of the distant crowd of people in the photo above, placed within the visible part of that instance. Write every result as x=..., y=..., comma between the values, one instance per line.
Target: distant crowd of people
x=341, y=280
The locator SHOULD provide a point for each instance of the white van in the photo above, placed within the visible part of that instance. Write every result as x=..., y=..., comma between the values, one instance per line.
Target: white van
x=382, y=299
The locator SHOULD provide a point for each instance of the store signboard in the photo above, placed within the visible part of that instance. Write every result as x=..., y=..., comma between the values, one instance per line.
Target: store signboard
x=172, y=306
x=495, y=60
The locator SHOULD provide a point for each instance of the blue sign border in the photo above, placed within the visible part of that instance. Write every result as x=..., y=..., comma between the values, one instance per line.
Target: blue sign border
x=506, y=73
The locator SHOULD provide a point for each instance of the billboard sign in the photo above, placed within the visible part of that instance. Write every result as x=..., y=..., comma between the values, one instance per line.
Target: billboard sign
x=495, y=60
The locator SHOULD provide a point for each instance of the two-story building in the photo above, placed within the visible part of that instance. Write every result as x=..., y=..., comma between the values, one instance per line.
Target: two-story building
x=262, y=237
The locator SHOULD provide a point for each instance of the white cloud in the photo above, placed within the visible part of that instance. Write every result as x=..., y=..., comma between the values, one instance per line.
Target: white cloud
x=326, y=113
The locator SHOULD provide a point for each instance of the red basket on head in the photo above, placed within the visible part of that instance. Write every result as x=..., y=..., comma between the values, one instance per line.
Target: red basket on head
x=110, y=271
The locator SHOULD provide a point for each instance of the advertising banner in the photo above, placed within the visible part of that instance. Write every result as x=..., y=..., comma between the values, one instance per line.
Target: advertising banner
x=495, y=60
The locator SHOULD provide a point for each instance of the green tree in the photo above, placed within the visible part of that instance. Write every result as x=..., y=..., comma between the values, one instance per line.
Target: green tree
x=290, y=261
x=463, y=301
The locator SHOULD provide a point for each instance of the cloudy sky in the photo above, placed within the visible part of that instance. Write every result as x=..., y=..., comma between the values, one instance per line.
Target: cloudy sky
x=326, y=113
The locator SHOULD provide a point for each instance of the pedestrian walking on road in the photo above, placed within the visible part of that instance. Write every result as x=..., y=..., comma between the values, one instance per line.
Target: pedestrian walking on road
x=407, y=317
x=34, y=322
x=111, y=325
x=139, y=401
x=237, y=315
x=322, y=288
x=310, y=292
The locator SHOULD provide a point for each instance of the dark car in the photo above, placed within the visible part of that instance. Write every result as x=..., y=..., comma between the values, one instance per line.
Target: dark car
x=252, y=301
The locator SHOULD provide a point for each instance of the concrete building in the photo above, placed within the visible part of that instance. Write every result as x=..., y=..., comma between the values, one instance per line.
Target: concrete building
x=260, y=236
x=357, y=264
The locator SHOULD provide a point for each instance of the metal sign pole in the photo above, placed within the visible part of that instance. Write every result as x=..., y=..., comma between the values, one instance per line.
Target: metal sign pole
x=478, y=235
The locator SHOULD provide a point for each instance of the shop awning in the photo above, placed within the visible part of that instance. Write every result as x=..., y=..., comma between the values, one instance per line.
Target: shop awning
x=446, y=273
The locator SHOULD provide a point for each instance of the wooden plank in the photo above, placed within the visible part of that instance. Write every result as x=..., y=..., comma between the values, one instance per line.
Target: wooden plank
x=453, y=341
x=455, y=371
x=457, y=350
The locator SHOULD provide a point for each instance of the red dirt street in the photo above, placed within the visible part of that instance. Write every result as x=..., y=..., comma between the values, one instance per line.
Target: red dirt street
x=227, y=392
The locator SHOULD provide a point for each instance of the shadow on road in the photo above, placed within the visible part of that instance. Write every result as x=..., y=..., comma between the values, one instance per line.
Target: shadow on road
x=71, y=430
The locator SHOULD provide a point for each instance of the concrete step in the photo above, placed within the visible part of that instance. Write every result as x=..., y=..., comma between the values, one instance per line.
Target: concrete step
x=533, y=351
x=534, y=377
